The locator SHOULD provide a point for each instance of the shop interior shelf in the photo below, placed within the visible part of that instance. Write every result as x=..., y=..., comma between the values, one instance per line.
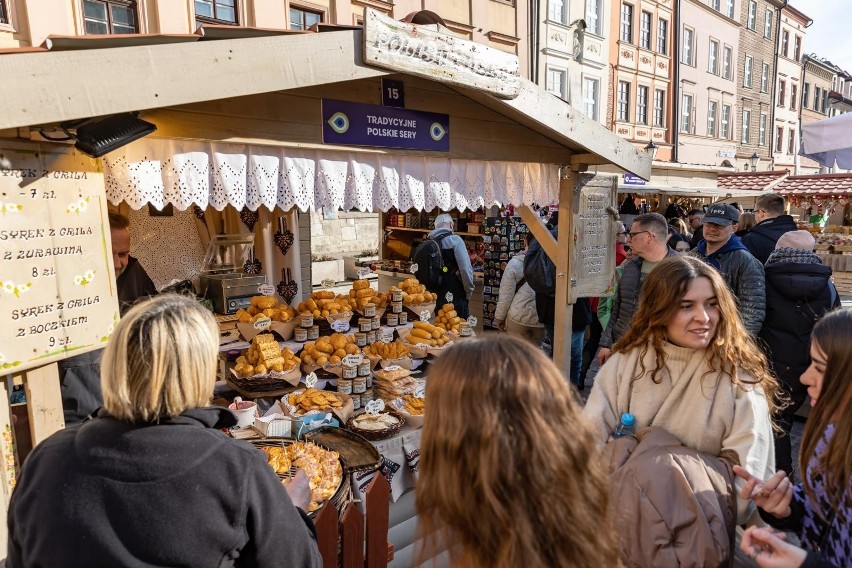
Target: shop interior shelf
x=429, y=231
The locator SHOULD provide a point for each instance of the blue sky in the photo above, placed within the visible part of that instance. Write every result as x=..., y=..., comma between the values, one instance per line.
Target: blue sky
x=830, y=35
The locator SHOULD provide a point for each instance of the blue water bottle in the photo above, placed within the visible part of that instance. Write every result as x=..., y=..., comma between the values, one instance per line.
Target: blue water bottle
x=627, y=426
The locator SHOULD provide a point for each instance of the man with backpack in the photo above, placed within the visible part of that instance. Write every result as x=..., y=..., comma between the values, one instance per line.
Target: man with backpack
x=443, y=265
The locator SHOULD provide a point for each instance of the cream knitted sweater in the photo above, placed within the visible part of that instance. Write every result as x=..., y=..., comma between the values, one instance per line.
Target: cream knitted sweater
x=706, y=412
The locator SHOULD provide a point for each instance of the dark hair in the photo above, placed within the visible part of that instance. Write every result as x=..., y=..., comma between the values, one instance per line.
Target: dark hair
x=695, y=212
x=655, y=223
x=771, y=203
x=118, y=221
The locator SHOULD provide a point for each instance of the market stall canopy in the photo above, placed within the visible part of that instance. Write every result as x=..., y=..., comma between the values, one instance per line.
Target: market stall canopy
x=828, y=141
x=821, y=190
x=97, y=82
x=675, y=179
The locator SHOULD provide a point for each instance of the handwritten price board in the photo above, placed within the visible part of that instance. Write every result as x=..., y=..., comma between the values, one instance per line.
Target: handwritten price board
x=58, y=295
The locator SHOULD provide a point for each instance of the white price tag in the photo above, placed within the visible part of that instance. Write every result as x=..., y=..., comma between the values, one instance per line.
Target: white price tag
x=424, y=315
x=413, y=268
x=393, y=368
x=262, y=324
x=340, y=326
x=363, y=272
x=266, y=289
x=353, y=360
x=471, y=321
x=328, y=282
x=375, y=406
x=387, y=336
x=423, y=346
x=449, y=297
x=420, y=391
x=397, y=404
x=311, y=380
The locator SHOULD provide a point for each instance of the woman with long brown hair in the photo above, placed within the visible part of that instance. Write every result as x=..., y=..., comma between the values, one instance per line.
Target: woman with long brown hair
x=508, y=470
x=688, y=366
x=820, y=507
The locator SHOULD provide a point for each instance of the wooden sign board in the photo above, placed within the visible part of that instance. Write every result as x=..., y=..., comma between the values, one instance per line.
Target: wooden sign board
x=594, y=235
x=417, y=50
x=58, y=294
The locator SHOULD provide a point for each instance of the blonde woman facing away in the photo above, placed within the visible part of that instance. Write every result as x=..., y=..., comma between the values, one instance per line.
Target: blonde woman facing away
x=152, y=481
x=688, y=366
x=508, y=470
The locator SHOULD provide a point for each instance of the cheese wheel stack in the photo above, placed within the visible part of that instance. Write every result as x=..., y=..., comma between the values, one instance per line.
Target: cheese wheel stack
x=448, y=319
x=424, y=332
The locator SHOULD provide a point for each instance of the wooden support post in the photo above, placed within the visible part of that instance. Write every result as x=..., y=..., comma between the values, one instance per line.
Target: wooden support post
x=352, y=537
x=44, y=402
x=565, y=251
x=326, y=525
x=378, y=516
x=539, y=231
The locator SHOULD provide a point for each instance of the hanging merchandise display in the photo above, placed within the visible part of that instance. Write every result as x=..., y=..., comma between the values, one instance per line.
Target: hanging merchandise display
x=504, y=238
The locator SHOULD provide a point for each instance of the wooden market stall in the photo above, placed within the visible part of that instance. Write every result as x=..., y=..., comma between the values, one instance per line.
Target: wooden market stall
x=241, y=125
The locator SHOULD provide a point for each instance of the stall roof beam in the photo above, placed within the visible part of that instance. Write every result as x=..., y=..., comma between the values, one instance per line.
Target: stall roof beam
x=50, y=87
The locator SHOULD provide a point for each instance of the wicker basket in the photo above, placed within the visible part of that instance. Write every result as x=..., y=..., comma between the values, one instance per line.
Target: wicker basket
x=379, y=434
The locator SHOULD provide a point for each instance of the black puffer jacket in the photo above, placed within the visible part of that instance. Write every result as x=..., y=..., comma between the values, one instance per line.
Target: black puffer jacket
x=760, y=240
x=798, y=293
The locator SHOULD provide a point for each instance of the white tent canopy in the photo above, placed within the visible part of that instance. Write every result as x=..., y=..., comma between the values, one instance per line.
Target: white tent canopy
x=829, y=141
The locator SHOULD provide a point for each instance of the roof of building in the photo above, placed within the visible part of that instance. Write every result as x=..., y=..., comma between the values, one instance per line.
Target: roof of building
x=757, y=181
x=818, y=184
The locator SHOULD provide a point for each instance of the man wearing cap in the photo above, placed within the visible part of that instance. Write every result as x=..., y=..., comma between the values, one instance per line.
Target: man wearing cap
x=771, y=224
x=743, y=273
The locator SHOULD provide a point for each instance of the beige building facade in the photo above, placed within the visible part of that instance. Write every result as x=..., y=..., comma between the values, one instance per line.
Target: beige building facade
x=789, y=88
x=817, y=83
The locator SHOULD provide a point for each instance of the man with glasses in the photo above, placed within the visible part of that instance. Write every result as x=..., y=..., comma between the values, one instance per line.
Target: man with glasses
x=647, y=240
x=743, y=273
x=771, y=224
x=696, y=220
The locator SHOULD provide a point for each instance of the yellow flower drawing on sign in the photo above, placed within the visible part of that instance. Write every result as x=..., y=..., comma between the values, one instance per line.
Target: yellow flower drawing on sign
x=10, y=208
x=6, y=364
x=111, y=328
x=78, y=206
x=85, y=278
x=10, y=287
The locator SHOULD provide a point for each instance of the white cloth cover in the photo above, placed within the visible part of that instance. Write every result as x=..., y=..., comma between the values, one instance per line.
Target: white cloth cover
x=829, y=140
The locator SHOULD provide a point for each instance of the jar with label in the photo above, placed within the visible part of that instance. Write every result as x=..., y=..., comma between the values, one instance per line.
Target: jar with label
x=370, y=310
x=465, y=330
x=392, y=319
x=370, y=381
x=307, y=320
x=356, y=401
x=313, y=333
x=377, y=323
x=359, y=385
x=344, y=386
x=396, y=307
x=367, y=396
x=365, y=324
x=350, y=371
x=361, y=339
x=300, y=334
x=403, y=318
x=371, y=337
x=396, y=295
x=365, y=368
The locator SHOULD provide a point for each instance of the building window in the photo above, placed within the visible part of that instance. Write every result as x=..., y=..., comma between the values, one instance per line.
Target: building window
x=730, y=8
x=711, y=118
x=713, y=60
x=805, y=95
x=215, y=12
x=761, y=134
x=764, y=78
x=101, y=17
x=556, y=11
x=662, y=35
x=726, y=121
x=716, y=5
x=659, y=107
x=623, y=101
x=593, y=16
x=785, y=43
x=641, y=105
x=4, y=13
x=747, y=72
x=782, y=92
x=752, y=12
x=627, y=23
x=791, y=142
x=746, y=134
x=767, y=24
x=303, y=19
x=793, y=95
x=727, y=57
x=556, y=82
x=688, y=38
x=797, y=47
x=645, y=30
x=817, y=92
x=590, y=97
x=824, y=100
x=686, y=113
x=779, y=139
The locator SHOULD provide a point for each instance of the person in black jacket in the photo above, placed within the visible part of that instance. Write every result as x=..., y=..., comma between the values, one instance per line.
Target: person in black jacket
x=771, y=224
x=798, y=292
x=696, y=221
x=152, y=480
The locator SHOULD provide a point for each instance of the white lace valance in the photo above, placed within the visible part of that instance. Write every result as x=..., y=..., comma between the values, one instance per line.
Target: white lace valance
x=186, y=173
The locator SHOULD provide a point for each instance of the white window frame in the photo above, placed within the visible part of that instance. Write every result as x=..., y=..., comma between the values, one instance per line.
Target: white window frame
x=785, y=43
x=642, y=92
x=745, y=127
x=806, y=95
x=562, y=75
x=712, y=109
x=782, y=92
x=646, y=19
x=625, y=33
x=779, y=139
x=764, y=78
x=713, y=57
x=791, y=142
x=725, y=121
x=727, y=62
x=595, y=95
x=623, y=101
x=797, y=47
x=767, y=24
x=752, y=14
x=794, y=94
x=761, y=133
x=730, y=8
x=687, y=51
x=716, y=5
x=557, y=11
x=659, y=108
x=686, y=113
x=747, y=71
x=662, y=36
x=593, y=16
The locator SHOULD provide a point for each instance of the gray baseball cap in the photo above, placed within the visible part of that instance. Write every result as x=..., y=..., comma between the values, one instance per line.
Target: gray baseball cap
x=722, y=214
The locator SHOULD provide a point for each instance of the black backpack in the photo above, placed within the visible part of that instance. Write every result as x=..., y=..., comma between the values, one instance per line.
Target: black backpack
x=431, y=270
x=539, y=270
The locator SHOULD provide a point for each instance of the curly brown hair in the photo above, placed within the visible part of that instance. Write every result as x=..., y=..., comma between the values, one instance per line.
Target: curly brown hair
x=732, y=349
x=509, y=473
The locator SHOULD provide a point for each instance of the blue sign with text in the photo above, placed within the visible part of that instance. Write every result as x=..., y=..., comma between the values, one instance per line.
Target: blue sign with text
x=355, y=124
x=630, y=179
